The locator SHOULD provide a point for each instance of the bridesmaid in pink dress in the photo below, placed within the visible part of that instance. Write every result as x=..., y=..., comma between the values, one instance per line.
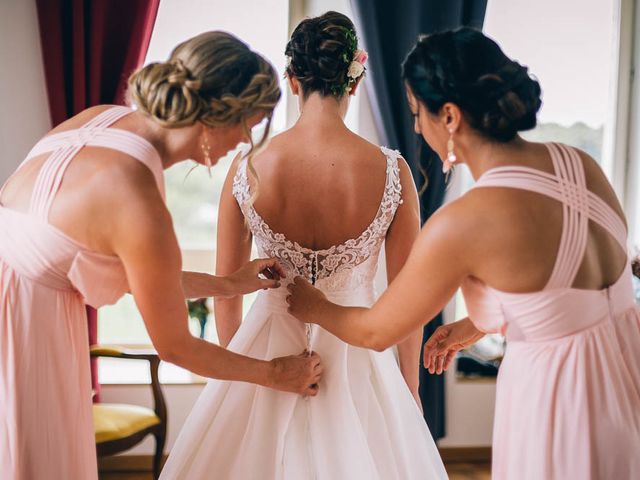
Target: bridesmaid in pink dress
x=539, y=249
x=83, y=220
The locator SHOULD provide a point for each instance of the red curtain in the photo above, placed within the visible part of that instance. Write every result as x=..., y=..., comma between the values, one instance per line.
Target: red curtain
x=90, y=47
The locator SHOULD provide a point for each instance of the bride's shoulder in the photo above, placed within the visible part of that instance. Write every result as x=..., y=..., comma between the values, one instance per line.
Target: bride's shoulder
x=368, y=148
x=279, y=144
x=368, y=151
x=396, y=157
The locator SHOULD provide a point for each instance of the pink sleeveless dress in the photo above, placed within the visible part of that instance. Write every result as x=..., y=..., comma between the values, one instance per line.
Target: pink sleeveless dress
x=46, y=277
x=568, y=390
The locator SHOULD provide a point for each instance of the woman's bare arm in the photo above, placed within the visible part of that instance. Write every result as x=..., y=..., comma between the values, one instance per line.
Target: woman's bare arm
x=233, y=250
x=412, y=299
x=152, y=261
x=258, y=274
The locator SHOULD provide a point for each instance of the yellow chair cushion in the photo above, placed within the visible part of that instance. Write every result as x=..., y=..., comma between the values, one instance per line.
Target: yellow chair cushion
x=113, y=421
x=102, y=350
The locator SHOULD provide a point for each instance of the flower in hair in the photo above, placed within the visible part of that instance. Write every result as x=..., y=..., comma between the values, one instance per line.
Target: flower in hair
x=356, y=67
x=355, y=70
x=361, y=56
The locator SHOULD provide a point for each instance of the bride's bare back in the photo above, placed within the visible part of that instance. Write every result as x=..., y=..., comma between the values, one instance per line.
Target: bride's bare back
x=320, y=186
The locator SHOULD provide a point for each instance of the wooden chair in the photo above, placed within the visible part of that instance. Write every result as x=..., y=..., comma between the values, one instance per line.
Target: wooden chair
x=120, y=427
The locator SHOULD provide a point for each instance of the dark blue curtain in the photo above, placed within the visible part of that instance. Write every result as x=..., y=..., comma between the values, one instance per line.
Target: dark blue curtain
x=388, y=30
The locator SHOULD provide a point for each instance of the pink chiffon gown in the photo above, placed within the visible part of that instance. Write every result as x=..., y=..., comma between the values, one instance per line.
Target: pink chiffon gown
x=568, y=391
x=46, y=277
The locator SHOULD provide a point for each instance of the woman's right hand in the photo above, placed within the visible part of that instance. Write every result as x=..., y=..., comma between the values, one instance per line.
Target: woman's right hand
x=258, y=274
x=305, y=301
x=446, y=341
x=296, y=373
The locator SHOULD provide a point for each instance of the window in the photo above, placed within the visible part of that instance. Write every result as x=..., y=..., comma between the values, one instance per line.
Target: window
x=573, y=57
x=629, y=118
x=570, y=46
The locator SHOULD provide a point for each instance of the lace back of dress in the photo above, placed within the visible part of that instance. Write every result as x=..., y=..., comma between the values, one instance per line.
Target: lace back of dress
x=346, y=265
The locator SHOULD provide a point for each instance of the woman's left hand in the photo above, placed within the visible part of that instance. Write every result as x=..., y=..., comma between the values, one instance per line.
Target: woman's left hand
x=441, y=348
x=305, y=301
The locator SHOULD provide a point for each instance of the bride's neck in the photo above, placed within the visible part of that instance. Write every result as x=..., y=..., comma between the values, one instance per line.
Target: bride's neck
x=319, y=110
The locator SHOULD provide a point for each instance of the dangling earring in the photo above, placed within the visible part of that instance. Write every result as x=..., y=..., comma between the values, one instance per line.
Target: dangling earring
x=451, y=156
x=206, y=152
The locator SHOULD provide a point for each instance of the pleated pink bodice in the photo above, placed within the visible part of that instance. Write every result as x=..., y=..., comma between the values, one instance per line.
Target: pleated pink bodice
x=44, y=254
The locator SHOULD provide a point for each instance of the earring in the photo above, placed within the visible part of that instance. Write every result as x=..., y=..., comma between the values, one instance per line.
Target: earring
x=451, y=156
x=206, y=152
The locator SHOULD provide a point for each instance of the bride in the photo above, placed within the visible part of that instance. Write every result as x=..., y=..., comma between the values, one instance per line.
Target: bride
x=323, y=201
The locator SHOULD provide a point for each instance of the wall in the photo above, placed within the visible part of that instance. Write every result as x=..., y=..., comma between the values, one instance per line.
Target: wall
x=23, y=97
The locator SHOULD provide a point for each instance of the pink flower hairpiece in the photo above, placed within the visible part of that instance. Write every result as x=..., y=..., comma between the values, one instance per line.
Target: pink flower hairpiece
x=356, y=67
x=361, y=56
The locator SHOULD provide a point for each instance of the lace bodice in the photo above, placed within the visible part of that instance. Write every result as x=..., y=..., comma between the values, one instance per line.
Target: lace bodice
x=350, y=264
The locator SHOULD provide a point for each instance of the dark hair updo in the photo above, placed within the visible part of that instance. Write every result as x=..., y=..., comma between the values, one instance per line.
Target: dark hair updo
x=465, y=67
x=320, y=52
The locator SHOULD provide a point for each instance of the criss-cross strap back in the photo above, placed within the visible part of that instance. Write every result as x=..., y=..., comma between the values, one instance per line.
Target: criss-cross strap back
x=63, y=146
x=579, y=205
x=319, y=264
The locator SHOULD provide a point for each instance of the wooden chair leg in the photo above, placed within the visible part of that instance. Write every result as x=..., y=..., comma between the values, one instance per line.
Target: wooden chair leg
x=157, y=458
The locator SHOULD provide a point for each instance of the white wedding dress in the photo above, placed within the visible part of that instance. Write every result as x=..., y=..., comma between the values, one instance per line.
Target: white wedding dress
x=363, y=424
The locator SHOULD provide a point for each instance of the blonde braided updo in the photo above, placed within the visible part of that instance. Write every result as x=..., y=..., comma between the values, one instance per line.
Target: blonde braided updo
x=213, y=78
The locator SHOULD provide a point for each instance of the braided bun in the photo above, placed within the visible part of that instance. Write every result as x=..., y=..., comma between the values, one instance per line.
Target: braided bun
x=168, y=93
x=497, y=95
x=258, y=95
x=213, y=78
